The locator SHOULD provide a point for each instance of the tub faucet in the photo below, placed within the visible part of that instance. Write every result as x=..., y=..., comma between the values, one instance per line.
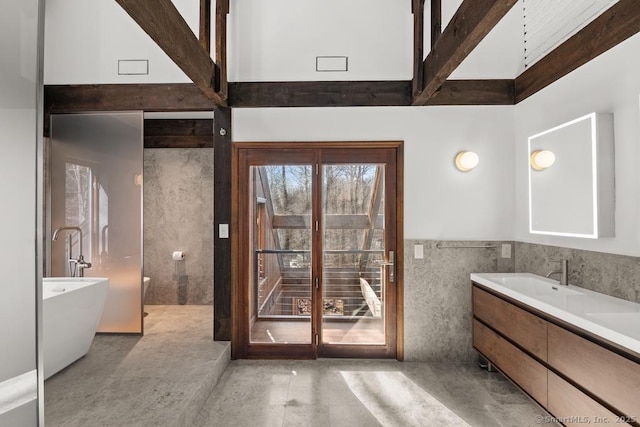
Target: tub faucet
x=80, y=263
x=564, y=272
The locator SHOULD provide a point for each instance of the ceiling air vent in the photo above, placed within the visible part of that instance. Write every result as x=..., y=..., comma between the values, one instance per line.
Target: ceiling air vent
x=332, y=63
x=133, y=67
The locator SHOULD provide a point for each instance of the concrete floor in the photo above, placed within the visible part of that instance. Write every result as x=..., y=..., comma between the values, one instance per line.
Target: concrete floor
x=160, y=379
x=167, y=378
x=353, y=393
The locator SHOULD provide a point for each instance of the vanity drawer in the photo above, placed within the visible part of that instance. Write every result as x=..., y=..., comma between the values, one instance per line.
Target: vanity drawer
x=612, y=378
x=524, y=370
x=522, y=327
x=576, y=408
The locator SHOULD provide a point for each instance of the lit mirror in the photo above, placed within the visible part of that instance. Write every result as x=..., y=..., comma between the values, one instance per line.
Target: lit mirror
x=571, y=178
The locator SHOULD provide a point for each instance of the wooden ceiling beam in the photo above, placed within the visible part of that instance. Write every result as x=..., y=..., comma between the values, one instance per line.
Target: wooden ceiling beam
x=475, y=92
x=222, y=11
x=473, y=20
x=320, y=94
x=163, y=23
x=436, y=21
x=178, y=133
x=618, y=23
x=418, y=45
x=187, y=97
x=205, y=25
x=118, y=97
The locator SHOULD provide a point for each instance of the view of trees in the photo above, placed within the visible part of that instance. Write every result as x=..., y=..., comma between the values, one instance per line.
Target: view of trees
x=347, y=190
x=77, y=190
x=78, y=206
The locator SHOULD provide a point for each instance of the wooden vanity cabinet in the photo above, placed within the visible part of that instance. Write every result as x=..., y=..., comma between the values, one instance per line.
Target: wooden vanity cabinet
x=526, y=329
x=570, y=404
x=574, y=378
x=608, y=376
x=524, y=370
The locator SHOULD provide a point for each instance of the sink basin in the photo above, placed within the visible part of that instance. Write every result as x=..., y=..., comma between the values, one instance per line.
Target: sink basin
x=589, y=305
x=626, y=323
x=533, y=286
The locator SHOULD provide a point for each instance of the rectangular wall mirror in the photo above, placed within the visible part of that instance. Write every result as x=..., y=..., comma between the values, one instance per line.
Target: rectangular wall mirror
x=571, y=179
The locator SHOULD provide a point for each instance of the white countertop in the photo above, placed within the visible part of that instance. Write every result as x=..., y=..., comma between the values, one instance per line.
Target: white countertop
x=611, y=318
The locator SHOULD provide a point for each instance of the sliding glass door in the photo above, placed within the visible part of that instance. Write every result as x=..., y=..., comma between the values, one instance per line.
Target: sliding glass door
x=317, y=245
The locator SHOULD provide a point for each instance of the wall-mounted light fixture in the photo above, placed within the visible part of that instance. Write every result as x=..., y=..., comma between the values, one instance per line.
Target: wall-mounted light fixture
x=542, y=159
x=466, y=160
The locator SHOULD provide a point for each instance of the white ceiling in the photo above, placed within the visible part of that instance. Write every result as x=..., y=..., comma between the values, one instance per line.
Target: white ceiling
x=530, y=30
x=549, y=23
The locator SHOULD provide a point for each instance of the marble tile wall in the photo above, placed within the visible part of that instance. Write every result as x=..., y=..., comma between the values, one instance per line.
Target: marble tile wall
x=178, y=215
x=611, y=274
x=437, y=301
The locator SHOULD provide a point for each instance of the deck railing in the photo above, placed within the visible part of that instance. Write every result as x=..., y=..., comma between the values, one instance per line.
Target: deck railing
x=283, y=284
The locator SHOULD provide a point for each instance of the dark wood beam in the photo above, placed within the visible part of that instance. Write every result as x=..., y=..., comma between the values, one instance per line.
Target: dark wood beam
x=222, y=155
x=186, y=97
x=473, y=20
x=222, y=11
x=163, y=23
x=418, y=45
x=618, y=23
x=436, y=21
x=205, y=25
x=320, y=94
x=146, y=97
x=474, y=92
x=178, y=133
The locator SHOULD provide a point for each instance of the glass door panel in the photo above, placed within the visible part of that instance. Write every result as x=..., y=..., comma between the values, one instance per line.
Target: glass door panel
x=95, y=203
x=316, y=240
x=281, y=300
x=353, y=248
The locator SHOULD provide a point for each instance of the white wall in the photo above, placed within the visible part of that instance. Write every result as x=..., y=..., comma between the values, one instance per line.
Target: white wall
x=608, y=84
x=18, y=83
x=84, y=39
x=278, y=40
x=268, y=41
x=440, y=201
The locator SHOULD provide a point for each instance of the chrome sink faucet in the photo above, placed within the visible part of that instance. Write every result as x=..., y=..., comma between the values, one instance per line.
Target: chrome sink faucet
x=564, y=272
x=80, y=263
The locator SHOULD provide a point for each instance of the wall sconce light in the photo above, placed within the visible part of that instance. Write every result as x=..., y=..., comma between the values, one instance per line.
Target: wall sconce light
x=466, y=160
x=137, y=179
x=542, y=159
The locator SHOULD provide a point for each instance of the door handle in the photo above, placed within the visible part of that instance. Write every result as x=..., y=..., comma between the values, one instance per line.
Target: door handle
x=390, y=265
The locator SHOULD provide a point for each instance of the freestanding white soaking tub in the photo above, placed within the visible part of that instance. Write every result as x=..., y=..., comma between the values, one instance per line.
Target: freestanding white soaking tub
x=72, y=307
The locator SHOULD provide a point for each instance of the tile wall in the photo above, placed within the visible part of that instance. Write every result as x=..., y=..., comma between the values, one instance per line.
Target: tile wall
x=438, y=297
x=611, y=274
x=178, y=215
x=437, y=300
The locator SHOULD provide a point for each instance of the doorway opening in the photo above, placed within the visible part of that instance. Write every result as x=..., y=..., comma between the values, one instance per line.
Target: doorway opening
x=318, y=264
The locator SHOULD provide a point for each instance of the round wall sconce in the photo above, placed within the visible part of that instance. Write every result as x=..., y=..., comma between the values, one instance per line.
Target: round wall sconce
x=466, y=160
x=542, y=159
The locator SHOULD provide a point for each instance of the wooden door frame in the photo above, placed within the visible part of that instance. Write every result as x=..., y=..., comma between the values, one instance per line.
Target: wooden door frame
x=239, y=340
